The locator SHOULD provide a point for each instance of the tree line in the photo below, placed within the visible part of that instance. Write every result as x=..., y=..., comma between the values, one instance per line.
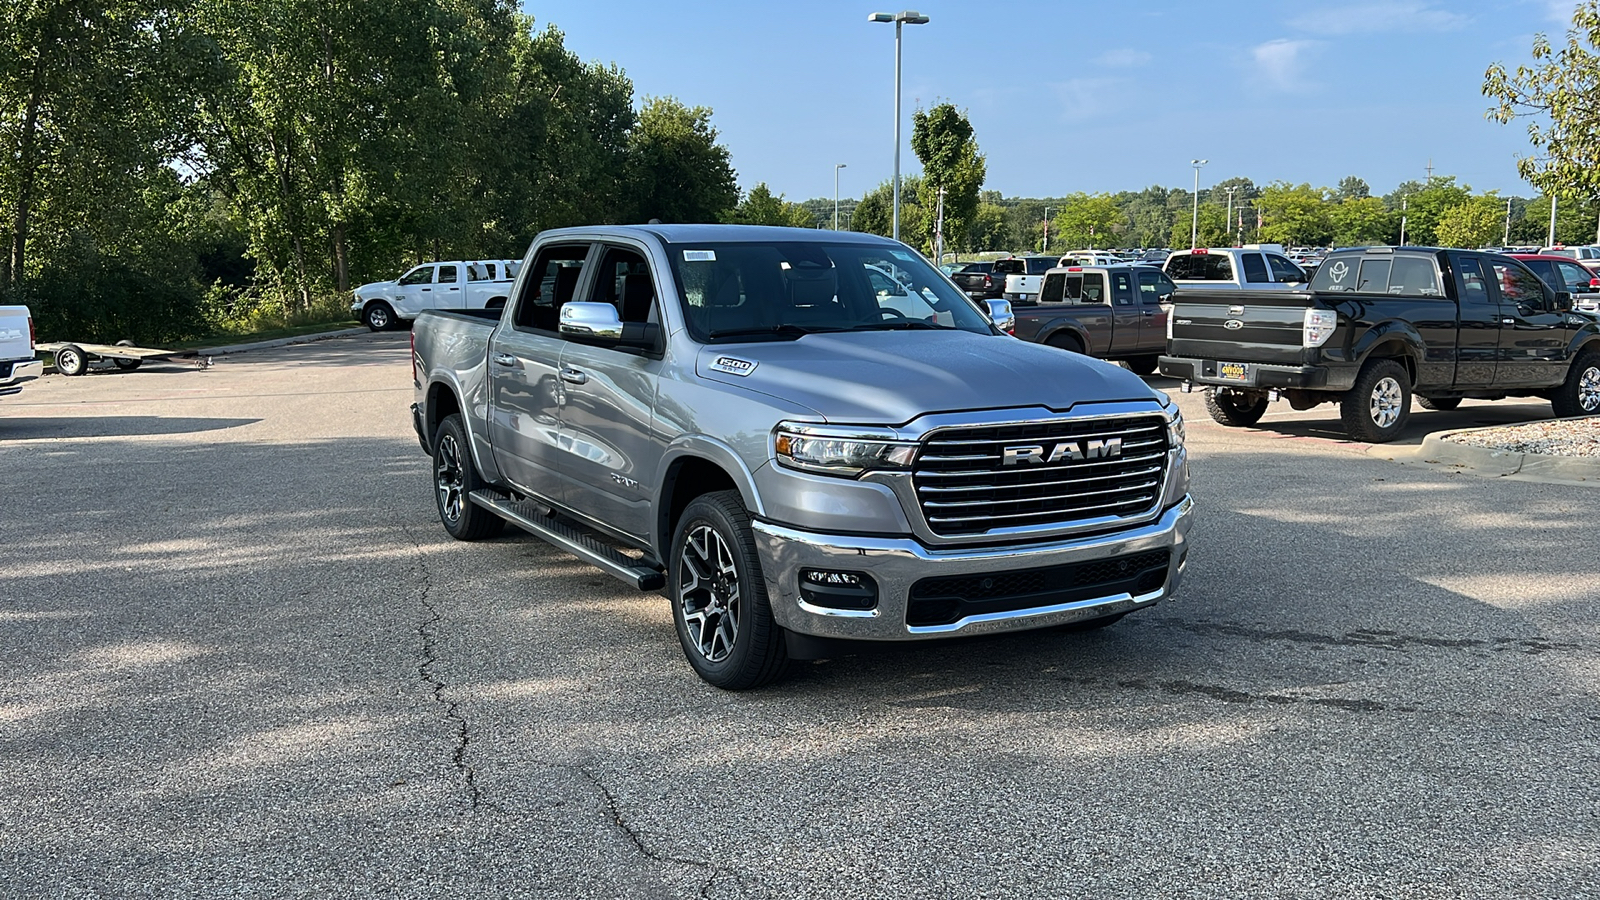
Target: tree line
x=170, y=167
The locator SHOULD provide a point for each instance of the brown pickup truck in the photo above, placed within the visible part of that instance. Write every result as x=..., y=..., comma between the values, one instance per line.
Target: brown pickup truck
x=1110, y=312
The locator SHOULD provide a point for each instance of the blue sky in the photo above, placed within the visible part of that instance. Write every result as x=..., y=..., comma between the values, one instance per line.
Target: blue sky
x=1087, y=96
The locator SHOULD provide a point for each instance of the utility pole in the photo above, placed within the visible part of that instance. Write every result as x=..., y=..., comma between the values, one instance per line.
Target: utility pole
x=1194, y=222
x=836, y=168
x=1551, y=241
x=1047, y=228
x=1403, y=202
x=938, y=231
x=1430, y=171
x=1507, y=241
x=1229, y=217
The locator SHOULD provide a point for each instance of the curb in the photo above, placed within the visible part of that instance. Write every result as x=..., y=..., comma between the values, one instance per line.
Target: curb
x=279, y=342
x=1437, y=450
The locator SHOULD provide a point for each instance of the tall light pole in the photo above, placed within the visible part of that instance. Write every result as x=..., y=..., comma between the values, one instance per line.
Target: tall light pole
x=908, y=17
x=1506, y=241
x=1227, y=221
x=1552, y=241
x=1047, y=228
x=1194, y=228
x=836, y=168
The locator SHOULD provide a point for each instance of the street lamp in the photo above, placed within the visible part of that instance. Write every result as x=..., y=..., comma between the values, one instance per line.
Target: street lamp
x=1194, y=228
x=836, y=168
x=1227, y=221
x=901, y=18
x=1047, y=229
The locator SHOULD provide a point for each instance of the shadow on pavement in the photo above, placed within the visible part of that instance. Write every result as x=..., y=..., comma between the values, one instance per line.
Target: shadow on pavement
x=15, y=428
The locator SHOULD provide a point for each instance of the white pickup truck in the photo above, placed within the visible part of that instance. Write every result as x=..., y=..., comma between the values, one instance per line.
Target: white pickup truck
x=17, y=362
x=1251, y=267
x=1024, y=275
x=455, y=284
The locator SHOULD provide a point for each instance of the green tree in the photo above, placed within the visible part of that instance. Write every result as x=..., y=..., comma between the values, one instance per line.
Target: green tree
x=875, y=213
x=1294, y=214
x=987, y=231
x=1472, y=224
x=1086, y=221
x=1351, y=188
x=760, y=207
x=677, y=171
x=1150, y=217
x=1557, y=96
x=1359, y=221
x=943, y=140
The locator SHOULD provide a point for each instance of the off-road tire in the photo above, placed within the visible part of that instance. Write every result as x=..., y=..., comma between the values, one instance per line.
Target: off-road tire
x=378, y=315
x=1579, y=395
x=719, y=597
x=1233, y=409
x=1442, y=404
x=1377, y=408
x=455, y=477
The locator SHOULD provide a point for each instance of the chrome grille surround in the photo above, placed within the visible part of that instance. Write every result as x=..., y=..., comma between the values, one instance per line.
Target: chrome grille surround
x=964, y=492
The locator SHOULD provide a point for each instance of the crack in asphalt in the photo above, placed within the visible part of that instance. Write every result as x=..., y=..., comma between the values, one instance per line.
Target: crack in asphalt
x=637, y=839
x=1375, y=638
x=426, y=631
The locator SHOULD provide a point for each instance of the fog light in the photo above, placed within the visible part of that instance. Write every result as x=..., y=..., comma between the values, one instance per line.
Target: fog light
x=838, y=590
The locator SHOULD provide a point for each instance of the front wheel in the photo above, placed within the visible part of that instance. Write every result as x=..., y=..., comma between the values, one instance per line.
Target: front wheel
x=1579, y=395
x=719, y=598
x=1377, y=408
x=1236, y=409
x=455, y=477
x=378, y=316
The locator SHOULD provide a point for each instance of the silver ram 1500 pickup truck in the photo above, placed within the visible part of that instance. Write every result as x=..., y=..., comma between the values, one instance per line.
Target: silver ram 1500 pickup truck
x=804, y=437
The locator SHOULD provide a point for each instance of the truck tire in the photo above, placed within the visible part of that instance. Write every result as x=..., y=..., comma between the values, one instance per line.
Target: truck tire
x=71, y=360
x=455, y=477
x=1142, y=366
x=1066, y=342
x=378, y=315
x=719, y=597
x=1377, y=408
x=1234, y=408
x=1579, y=395
x=1443, y=404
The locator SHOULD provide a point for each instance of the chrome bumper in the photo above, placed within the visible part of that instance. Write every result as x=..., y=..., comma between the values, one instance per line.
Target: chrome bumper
x=898, y=563
x=21, y=373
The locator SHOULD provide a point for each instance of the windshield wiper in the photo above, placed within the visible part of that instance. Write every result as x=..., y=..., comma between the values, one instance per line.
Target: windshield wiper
x=901, y=325
x=777, y=330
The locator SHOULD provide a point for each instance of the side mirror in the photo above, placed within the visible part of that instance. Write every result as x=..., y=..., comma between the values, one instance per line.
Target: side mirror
x=1563, y=301
x=1001, y=315
x=591, y=320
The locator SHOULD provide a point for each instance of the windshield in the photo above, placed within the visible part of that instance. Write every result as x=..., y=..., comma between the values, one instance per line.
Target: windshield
x=787, y=289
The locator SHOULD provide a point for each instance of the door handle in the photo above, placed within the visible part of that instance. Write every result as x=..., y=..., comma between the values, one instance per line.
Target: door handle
x=1508, y=321
x=455, y=289
x=573, y=376
x=1149, y=314
x=427, y=289
x=505, y=359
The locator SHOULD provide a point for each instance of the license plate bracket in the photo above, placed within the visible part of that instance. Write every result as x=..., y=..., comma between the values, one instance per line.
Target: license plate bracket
x=1234, y=371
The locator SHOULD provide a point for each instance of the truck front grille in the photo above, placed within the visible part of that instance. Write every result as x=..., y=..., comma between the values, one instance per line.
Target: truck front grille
x=1103, y=468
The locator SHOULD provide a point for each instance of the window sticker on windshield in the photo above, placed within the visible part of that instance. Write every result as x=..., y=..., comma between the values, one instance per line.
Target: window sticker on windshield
x=699, y=256
x=901, y=255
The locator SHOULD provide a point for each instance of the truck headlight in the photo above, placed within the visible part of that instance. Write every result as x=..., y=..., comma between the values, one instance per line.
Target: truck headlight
x=1175, y=432
x=843, y=451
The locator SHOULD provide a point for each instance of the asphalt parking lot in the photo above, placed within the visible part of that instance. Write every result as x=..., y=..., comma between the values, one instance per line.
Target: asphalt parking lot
x=244, y=660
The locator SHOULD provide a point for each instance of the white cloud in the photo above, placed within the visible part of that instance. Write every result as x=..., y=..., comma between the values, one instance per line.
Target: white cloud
x=1123, y=58
x=1559, y=10
x=1401, y=15
x=1281, y=63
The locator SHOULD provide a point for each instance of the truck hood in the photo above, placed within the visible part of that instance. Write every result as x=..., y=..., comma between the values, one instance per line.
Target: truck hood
x=893, y=377
x=375, y=289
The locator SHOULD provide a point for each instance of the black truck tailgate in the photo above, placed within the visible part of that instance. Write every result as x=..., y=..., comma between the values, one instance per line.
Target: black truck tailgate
x=1242, y=326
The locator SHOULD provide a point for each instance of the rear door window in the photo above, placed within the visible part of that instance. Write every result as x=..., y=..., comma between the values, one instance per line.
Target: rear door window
x=1470, y=282
x=1199, y=267
x=1414, y=276
x=1255, y=270
x=549, y=286
x=448, y=274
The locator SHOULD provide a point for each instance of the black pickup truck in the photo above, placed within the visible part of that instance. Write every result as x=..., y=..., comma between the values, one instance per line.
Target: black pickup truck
x=1380, y=324
x=1109, y=312
x=980, y=280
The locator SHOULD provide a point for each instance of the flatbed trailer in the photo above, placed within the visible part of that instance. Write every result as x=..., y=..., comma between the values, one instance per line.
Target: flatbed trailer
x=74, y=358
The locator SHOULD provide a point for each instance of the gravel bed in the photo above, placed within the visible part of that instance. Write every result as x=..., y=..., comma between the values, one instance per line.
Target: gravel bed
x=1560, y=437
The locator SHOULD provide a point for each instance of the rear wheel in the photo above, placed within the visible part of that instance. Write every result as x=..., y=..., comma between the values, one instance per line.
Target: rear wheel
x=126, y=365
x=1236, y=409
x=378, y=316
x=454, y=479
x=1142, y=366
x=1579, y=395
x=1066, y=342
x=1443, y=404
x=1377, y=408
x=719, y=598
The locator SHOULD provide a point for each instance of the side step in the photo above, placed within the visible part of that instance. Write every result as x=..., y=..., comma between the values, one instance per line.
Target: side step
x=526, y=515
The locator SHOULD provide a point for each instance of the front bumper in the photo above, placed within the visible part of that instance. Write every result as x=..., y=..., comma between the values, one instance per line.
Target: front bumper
x=1261, y=375
x=898, y=564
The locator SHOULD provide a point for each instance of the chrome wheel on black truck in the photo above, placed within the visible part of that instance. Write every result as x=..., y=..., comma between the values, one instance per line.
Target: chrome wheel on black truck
x=1235, y=408
x=1377, y=408
x=719, y=598
x=1579, y=395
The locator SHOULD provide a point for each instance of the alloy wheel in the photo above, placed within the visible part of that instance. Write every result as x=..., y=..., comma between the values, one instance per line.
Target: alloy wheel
x=449, y=477
x=1589, y=389
x=709, y=593
x=1385, y=406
